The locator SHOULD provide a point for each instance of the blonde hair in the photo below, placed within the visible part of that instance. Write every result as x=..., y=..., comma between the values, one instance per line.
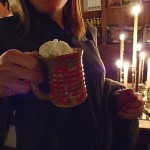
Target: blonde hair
x=74, y=21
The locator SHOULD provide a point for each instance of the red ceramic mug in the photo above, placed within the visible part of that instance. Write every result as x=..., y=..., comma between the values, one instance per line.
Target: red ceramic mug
x=66, y=79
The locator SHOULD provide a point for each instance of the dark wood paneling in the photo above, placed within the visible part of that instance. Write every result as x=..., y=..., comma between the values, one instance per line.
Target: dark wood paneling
x=122, y=15
x=92, y=14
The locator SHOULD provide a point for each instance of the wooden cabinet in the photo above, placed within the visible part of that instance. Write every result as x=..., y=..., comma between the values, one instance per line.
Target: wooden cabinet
x=118, y=15
x=122, y=16
x=92, y=14
x=94, y=17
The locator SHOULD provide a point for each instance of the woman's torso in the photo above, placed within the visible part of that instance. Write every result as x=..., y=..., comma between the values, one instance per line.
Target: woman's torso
x=40, y=124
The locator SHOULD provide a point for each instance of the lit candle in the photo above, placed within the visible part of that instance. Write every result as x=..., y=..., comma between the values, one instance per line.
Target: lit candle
x=122, y=37
x=126, y=67
x=141, y=70
x=139, y=47
x=136, y=11
x=119, y=78
x=148, y=74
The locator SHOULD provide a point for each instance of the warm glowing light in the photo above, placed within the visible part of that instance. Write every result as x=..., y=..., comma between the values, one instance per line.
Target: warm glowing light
x=142, y=55
x=139, y=47
x=122, y=36
x=148, y=74
x=126, y=67
x=136, y=9
x=119, y=63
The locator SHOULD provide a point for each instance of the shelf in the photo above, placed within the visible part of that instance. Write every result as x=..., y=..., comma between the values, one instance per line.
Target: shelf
x=92, y=14
x=118, y=15
x=126, y=6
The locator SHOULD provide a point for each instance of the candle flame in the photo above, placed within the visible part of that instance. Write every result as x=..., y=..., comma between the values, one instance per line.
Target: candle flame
x=142, y=55
x=136, y=9
x=119, y=63
x=122, y=36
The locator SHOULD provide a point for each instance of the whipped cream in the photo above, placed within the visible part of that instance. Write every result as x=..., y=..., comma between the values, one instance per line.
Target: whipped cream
x=55, y=48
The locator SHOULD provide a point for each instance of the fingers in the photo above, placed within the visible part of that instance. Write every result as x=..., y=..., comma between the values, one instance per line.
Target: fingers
x=33, y=54
x=14, y=87
x=15, y=71
x=8, y=81
x=134, y=104
x=132, y=110
x=6, y=92
x=130, y=104
x=130, y=94
x=21, y=59
x=128, y=116
x=131, y=113
x=127, y=91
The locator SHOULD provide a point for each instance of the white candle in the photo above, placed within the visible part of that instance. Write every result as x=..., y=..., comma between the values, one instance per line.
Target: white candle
x=141, y=66
x=136, y=10
x=139, y=46
x=122, y=37
x=119, y=75
x=126, y=68
x=138, y=65
x=148, y=74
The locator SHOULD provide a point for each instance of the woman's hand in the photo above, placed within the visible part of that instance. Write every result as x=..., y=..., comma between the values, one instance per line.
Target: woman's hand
x=130, y=104
x=17, y=70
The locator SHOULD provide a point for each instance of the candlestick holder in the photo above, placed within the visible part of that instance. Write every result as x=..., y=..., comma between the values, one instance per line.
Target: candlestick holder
x=145, y=92
x=133, y=77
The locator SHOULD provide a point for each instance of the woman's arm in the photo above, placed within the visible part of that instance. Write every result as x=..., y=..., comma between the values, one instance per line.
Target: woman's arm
x=125, y=108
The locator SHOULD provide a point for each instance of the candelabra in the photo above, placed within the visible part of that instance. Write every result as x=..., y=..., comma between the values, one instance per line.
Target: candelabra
x=138, y=59
x=145, y=91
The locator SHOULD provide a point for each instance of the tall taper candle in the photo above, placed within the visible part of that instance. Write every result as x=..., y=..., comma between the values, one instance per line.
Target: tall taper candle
x=148, y=74
x=137, y=73
x=122, y=37
x=142, y=60
x=119, y=78
x=126, y=67
x=136, y=10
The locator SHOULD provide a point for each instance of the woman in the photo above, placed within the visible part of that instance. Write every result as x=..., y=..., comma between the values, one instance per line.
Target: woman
x=94, y=124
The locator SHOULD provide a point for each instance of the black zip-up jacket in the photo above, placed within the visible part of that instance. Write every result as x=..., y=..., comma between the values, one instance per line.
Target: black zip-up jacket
x=93, y=125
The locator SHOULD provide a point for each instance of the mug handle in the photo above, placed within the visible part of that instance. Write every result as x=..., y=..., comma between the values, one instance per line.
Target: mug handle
x=37, y=92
